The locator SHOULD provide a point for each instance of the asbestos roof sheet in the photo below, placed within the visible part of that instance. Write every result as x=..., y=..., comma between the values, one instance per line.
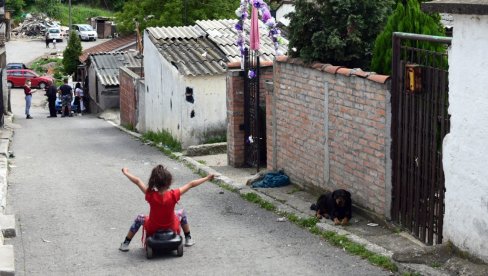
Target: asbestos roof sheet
x=189, y=50
x=207, y=47
x=107, y=65
x=224, y=34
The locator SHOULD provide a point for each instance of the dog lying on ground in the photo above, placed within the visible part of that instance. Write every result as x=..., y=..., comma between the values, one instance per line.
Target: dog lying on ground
x=335, y=205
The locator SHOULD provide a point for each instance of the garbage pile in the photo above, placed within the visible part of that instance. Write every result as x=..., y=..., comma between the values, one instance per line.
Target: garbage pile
x=34, y=25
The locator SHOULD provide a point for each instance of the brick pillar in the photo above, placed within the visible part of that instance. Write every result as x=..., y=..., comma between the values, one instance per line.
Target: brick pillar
x=235, y=118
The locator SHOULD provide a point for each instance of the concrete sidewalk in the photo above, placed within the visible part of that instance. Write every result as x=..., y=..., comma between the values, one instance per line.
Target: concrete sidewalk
x=409, y=254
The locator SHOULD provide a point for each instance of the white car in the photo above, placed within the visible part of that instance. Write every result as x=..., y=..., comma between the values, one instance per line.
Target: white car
x=85, y=32
x=54, y=33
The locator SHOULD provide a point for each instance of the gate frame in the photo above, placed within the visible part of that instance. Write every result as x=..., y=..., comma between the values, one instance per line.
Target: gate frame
x=396, y=118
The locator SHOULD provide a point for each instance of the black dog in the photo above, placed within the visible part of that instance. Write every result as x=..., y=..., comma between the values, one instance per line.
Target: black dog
x=335, y=205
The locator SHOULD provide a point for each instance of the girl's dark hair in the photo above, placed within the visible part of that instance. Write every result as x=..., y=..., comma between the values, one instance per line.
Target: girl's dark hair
x=78, y=85
x=160, y=178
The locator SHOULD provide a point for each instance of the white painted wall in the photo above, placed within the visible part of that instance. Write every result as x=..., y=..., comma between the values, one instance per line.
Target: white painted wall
x=282, y=11
x=166, y=107
x=466, y=147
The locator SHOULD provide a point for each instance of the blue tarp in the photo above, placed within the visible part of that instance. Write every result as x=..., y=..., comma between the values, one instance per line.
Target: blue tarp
x=272, y=180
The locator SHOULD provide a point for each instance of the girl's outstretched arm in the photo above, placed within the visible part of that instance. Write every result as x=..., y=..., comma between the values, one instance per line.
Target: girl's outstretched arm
x=194, y=183
x=136, y=180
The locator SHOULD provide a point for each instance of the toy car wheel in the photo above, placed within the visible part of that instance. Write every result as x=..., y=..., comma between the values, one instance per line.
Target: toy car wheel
x=10, y=84
x=42, y=85
x=149, y=252
x=179, y=251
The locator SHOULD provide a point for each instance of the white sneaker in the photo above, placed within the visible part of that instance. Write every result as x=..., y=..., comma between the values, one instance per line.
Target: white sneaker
x=189, y=241
x=124, y=247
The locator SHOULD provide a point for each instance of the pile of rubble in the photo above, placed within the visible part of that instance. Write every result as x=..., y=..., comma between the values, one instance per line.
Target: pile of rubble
x=34, y=25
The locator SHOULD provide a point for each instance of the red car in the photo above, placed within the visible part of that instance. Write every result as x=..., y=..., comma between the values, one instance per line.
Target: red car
x=17, y=78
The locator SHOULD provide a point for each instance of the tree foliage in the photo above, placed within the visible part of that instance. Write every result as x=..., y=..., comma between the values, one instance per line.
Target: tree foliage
x=72, y=54
x=337, y=31
x=171, y=12
x=409, y=19
x=16, y=5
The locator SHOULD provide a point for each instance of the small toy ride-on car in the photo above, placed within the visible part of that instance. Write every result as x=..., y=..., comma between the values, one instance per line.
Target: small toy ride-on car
x=164, y=240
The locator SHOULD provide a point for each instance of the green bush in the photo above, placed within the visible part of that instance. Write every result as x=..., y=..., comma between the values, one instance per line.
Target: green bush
x=337, y=32
x=71, y=55
x=409, y=19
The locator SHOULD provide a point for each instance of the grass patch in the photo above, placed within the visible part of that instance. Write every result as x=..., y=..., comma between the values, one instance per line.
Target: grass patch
x=129, y=126
x=203, y=162
x=79, y=14
x=57, y=70
x=254, y=198
x=164, y=139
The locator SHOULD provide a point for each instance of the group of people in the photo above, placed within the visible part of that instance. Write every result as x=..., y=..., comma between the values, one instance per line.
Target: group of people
x=66, y=93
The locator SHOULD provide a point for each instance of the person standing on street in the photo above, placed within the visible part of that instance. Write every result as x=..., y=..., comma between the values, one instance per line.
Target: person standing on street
x=51, y=93
x=47, y=39
x=79, y=99
x=28, y=98
x=66, y=98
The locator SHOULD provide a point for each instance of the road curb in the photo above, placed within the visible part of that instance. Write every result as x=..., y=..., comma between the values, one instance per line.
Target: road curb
x=7, y=222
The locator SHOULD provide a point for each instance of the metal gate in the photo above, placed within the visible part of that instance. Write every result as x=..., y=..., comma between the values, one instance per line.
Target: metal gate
x=251, y=110
x=419, y=123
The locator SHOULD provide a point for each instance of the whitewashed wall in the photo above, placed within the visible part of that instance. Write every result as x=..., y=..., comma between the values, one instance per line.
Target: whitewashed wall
x=283, y=10
x=466, y=146
x=166, y=107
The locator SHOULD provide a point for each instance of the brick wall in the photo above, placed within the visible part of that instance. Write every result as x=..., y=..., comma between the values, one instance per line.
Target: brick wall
x=328, y=127
x=128, y=78
x=235, y=110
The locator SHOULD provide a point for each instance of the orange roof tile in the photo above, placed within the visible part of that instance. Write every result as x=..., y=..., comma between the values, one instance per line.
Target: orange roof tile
x=109, y=46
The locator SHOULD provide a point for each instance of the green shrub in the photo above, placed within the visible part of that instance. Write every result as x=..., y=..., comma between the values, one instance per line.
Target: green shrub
x=337, y=32
x=409, y=19
x=72, y=53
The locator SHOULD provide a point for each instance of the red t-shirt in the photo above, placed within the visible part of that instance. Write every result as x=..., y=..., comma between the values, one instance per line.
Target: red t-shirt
x=162, y=211
x=27, y=90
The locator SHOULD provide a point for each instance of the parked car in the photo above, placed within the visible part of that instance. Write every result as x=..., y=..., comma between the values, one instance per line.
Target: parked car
x=85, y=32
x=58, y=104
x=17, y=78
x=54, y=33
x=15, y=65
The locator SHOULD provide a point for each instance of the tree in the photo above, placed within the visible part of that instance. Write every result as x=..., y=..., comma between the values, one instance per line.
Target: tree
x=15, y=5
x=171, y=12
x=72, y=53
x=409, y=19
x=338, y=32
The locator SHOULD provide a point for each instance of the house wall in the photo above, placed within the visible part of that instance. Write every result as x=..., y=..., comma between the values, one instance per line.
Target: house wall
x=328, y=129
x=128, y=97
x=166, y=107
x=141, y=106
x=92, y=90
x=465, y=149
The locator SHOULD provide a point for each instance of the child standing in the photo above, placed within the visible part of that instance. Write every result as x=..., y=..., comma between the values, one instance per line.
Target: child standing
x=162, y=201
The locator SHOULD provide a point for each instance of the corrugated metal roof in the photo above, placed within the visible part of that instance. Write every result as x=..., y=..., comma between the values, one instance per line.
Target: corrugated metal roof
x=107, y=65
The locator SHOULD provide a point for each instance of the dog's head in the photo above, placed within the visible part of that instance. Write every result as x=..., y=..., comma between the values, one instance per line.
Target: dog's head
x=340, y=197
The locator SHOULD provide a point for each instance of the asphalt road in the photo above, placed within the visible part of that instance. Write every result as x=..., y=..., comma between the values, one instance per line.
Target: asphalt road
x=73, y=208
